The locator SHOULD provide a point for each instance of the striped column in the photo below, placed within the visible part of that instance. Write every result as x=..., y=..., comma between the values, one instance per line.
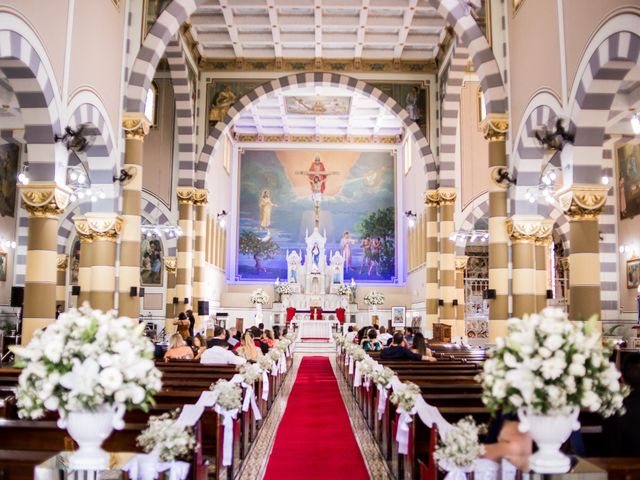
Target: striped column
x=61, y=280
x=184, y=272
x=136, y=127
x=523, y=230
x=461, y=267
x=170, y=313
x=431, y=200
x=200, y=200
x=105, y=228
x=447, y=275
x=542, y=245
x=86, y=258
x=582, y=204
x=44, y=202
x=495, y=130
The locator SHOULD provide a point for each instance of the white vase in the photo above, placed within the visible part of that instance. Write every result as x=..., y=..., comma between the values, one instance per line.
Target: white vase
x=549, y=432
x=90, y=430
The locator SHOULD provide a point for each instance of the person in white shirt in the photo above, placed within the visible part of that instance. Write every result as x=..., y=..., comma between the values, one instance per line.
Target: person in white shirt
x=219, y=353
x=351, y=334
x=384, y=336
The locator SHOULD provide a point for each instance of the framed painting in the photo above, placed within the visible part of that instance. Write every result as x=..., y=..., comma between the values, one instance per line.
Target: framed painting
x=151, y=260
x=3, y=266
x=633, y=273
x=398, y=316
x=317, y=105
x=628, y=163
x=9, y=155
x=222, y=95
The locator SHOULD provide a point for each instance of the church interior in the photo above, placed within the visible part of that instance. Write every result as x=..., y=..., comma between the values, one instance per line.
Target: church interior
x=245, y=239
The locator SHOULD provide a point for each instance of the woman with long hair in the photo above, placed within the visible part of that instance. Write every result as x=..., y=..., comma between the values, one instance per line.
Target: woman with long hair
x=199, y=346
x=248, y=349
x=267, y=337
x=276, y=332
x=420, y=345
x=178, y=349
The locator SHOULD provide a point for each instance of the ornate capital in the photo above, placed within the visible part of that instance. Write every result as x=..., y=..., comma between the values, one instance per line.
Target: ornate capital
x=170, y=264
x=495, y=127
x=82, y=228
x=185, y=195
x=544, y=235
x=461, y=262
x=104, y=226
x=583, y=202
x=200, y=197
x=524, y=228
x=431, y=198
x=44, y=199
x=447, y=196
x=135, y=126
x=62, y=263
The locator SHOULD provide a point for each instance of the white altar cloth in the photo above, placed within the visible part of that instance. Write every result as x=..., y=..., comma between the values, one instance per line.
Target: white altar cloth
x=314, y=328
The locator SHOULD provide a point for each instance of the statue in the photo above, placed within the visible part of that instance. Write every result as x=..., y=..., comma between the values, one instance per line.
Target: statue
x=411, y=104
x=265, y=209
x=315, y=256
x=222, y=104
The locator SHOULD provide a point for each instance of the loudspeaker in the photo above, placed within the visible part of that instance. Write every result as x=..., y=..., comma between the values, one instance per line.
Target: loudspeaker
x=440, y=302
x=176, y=300
x=549, y=294
x=141, y=293
x=489, y=294
x=203, y=307
x=17, y=296
x=186, y=301
x=455, y=302
x=133, y=292
x=75, y=290
x=222, y=314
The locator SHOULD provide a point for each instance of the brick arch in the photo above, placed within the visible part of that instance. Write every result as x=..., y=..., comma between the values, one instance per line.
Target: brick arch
x=305, y=79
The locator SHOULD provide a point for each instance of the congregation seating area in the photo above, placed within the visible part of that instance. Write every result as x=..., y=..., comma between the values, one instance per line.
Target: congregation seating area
x=27, y=443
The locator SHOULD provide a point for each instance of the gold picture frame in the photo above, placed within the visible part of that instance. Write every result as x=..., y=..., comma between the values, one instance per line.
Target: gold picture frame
x=517, y=4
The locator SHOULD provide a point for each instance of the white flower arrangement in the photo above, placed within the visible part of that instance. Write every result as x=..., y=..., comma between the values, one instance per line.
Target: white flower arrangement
x=382, y=376
x=85, y=360
x=460, y=445
x=405, y=396
x=343, y=289
x=291, y=336
x=229, y=394
x=367, y=366
x=551, y=366
x=259, y=296
x=374, y=298
x=284, y=289
x=358, y=353
x=251, y=372
x=275, y=354
x=283, y=344
x=167, y=438
x=339, y=339
x=265, y=362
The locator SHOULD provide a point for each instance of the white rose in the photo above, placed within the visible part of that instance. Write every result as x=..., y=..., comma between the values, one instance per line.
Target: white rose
x=499, y=389
x=52, y=403
x=553, y=342
x=110, y=379
x=544, y=352
x=510, y=360
x=577, y=370
x=137, y=394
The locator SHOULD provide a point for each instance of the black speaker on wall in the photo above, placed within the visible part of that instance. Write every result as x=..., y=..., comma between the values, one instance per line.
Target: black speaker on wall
x=17, y=296
x=75, y=290
x=141, y=292
x=549, y=294
x=440, y=302
x=176, y=300
x=489, y=294
x=454, y=302
x=133, y=292
x=203, y=307
x=186, y=301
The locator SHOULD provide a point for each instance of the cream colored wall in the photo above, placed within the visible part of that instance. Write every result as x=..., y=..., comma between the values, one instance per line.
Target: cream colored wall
x=7, y=232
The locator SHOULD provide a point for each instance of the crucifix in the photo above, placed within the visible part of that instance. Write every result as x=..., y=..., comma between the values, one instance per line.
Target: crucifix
x=317, y=179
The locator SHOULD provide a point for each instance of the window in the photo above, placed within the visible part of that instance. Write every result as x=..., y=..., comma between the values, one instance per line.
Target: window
x=408, y=154
x=150, y=106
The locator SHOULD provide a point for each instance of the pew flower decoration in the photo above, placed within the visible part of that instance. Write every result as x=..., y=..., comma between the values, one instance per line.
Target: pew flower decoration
x=374, y=298
x=405, y=396
x=344, y=289
x=460, y=445
x=274, y=354
x=551, y=366
x=167, y=438
x=85, y=361
x=382, y=376
x=367, y=367
x=358, y=353
x=284, y=289
x=251, y=373
x=229, y=395
x=259, y=297
x=339, y=339
x=283, y=344
x=265, y=362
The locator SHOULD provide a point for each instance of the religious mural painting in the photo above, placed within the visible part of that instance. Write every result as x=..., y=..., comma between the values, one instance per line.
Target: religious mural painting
x=9, y=155
x=633, y=273
x=413, y=97
x=74, y=264
x=3, y=266
x=628, y=180
x=222, y=95
x=350, y=194
x=151, y=260
x=317, y=105
x=153, y=9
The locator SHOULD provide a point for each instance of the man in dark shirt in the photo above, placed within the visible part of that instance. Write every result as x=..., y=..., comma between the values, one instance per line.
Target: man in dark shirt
x=218, y=339
x=398, y=352
x=621, y=433
x=192, y=321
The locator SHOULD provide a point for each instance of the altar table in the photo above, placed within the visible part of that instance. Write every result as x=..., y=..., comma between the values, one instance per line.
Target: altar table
x=314, y=329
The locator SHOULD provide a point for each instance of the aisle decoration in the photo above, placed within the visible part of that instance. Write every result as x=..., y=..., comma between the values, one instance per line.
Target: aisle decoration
x=228, y=401
x=546, y=370
x=458, y=449
x=382, y=377
x=405, y=397
x=88, y=366
x=266, y=363
x=250, y=373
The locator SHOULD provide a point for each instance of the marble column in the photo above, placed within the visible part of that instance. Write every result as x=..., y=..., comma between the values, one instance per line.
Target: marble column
x=495, y=129
x=171, y=312
x=184, y=273
x=105, y=228
x=61, y=280
x=542, y=245
x=523, y=230
x=44, y=202
x=200, y=200
x=583, y=204
x=86, y=259
x=432, y=200
x=447, y=272
x=461, y=267
x=136, y=127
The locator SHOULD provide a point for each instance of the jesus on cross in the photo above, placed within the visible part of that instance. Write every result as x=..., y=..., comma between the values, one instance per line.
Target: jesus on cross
x=317, y=175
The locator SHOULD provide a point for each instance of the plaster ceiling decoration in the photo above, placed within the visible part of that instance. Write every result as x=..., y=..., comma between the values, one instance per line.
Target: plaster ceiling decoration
x=363, y=119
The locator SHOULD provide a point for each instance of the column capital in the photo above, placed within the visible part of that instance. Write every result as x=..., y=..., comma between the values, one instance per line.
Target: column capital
x=82, y=228
x=62, y=262
x=185, y=195
x=104, y=226
x=583, y=201
x=447, y=196
x=431, y=198
x=200, y=197
x=135, y=126
x=524, y=228
x=495, y=126
x=544, y=236
x=170, y=263
x=44, y=199
x=461, y=262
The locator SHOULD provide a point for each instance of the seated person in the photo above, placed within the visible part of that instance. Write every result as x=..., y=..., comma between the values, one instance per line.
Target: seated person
x=620, y=432
x=267, y=338
x=248, y=349
x=218, y=352
x=420, y=345
x=256, y=333
x=178, y=349
x=384, y=337
x=408, y=336
x=234, y=337
x=158, y=351
x=372, y=344
x=351, y=334
x=398, y=352
x=199, y=346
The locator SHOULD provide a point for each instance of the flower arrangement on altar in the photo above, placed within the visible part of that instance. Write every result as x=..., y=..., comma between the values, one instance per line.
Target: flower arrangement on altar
x=167, y=438
x=84, y=361
x=259, y=297
x=229, y=394
x=551, y=366
x=343, y=289
x=405, y=396
x=460, y=445
x=284, y=289
x=374, y=298
x=251, y=372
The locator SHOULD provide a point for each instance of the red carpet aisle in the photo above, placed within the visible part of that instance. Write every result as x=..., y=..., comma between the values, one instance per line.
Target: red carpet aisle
x=314, y=439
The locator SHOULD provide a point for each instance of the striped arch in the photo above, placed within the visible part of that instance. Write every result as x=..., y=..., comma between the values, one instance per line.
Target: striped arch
x=185, y=116
x=456, y=12
x=450, y=115
x=471, y=215
x=325, y=79
x=154, y=211
x=66, y=227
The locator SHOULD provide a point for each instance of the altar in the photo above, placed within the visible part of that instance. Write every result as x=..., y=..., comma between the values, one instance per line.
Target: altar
x=314, y=329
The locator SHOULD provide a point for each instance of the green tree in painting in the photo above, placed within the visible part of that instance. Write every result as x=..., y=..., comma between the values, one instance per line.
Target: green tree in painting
x=381, y=224
x=252, y=244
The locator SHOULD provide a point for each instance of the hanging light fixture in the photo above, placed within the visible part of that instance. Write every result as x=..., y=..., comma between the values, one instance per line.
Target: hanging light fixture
x=635, y=123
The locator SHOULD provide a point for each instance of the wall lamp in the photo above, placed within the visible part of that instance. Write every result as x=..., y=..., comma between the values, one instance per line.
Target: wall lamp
x=222, y=218
x=411, y=218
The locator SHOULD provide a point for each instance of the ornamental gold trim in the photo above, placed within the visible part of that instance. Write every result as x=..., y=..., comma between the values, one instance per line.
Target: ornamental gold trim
x=583, y=202
x=431, y=198
x=170, y=263
x=82, y=228
x=62, y=262
x=524, y=229
x=545, y=233
x=185, y=195
x=200, y=197
x=46, y=199
x=135, y=126
x=447, y=196
x=495, y=127
x=104, y=226
x=461, y=262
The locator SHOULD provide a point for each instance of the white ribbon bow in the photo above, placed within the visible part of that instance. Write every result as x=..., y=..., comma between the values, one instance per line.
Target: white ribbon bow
x=402, y=435
x=274, y=369
x=357, y=378
x=350, y=364
x=228, y=416
x=148, y=466
x=265, y=385
x=367, y=382
x=382, y=400
x=250, y=401
x=346, y=359
x=283, y=364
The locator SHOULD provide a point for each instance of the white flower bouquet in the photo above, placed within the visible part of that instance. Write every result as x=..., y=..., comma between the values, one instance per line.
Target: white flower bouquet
x=251, y=372
x=367, y=366
x=405, y=396
x=84, y=361
x=551, y=366
x=460, y=445
x=284, y=289
x=166, y=438
x=259, y=296
x=265, y=362
x=229, y=395
x=374, y=298
x=344, y=289
x=382, y=376
x=275, y=354
x=283, y=344
x=358, y=353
